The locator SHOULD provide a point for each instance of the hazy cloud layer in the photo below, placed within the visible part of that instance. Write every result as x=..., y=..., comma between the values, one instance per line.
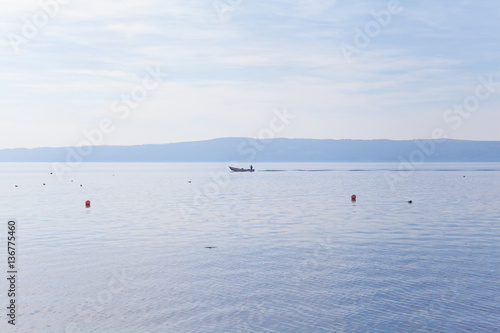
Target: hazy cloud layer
x=230, y=63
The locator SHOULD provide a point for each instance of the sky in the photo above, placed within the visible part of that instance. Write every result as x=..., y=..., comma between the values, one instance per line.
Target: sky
x=138, y=72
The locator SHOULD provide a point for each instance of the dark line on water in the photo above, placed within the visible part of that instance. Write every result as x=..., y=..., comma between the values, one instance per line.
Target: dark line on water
x=375, y=170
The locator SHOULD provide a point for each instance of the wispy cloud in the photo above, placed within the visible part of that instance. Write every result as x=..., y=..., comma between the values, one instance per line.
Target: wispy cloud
x=224, y=76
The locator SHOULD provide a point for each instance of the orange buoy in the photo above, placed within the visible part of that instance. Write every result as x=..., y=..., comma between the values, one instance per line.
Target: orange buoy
x=353, y=197
x=87, y=203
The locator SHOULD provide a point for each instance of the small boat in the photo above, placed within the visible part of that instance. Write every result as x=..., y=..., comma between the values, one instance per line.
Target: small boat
x=241, y=169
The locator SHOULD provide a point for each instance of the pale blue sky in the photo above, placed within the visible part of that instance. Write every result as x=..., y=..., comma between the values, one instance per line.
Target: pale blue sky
x=225, y=75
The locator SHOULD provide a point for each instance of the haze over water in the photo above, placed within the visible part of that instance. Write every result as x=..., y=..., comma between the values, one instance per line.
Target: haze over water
x=291, y=252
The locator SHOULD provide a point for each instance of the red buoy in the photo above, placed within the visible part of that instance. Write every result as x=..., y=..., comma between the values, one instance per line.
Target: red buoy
x=87, y=203
x=353, y=197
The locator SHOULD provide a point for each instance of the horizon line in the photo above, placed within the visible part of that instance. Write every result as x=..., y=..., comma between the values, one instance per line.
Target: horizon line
x=243, y=138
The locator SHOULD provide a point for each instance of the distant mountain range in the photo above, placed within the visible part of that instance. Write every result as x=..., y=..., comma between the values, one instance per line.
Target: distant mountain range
x=269, y=150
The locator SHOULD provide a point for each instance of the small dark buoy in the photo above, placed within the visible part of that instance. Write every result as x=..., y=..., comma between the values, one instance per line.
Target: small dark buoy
x=72, y=181
x=43, y=184
x=81, y=185
x=17, y=186
x=210, y=247
x=87, y=203
x=189, y=181
x=410, y=201
x=464, y=176
x=353, y=197
x=51, y=173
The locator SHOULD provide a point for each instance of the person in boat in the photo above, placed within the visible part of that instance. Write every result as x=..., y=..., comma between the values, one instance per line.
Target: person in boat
x=251, y=167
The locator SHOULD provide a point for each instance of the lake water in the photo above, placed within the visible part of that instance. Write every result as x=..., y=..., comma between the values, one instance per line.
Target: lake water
x=291, y=252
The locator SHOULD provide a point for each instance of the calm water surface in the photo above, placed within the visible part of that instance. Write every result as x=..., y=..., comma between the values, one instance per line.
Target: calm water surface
x=291, y=252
